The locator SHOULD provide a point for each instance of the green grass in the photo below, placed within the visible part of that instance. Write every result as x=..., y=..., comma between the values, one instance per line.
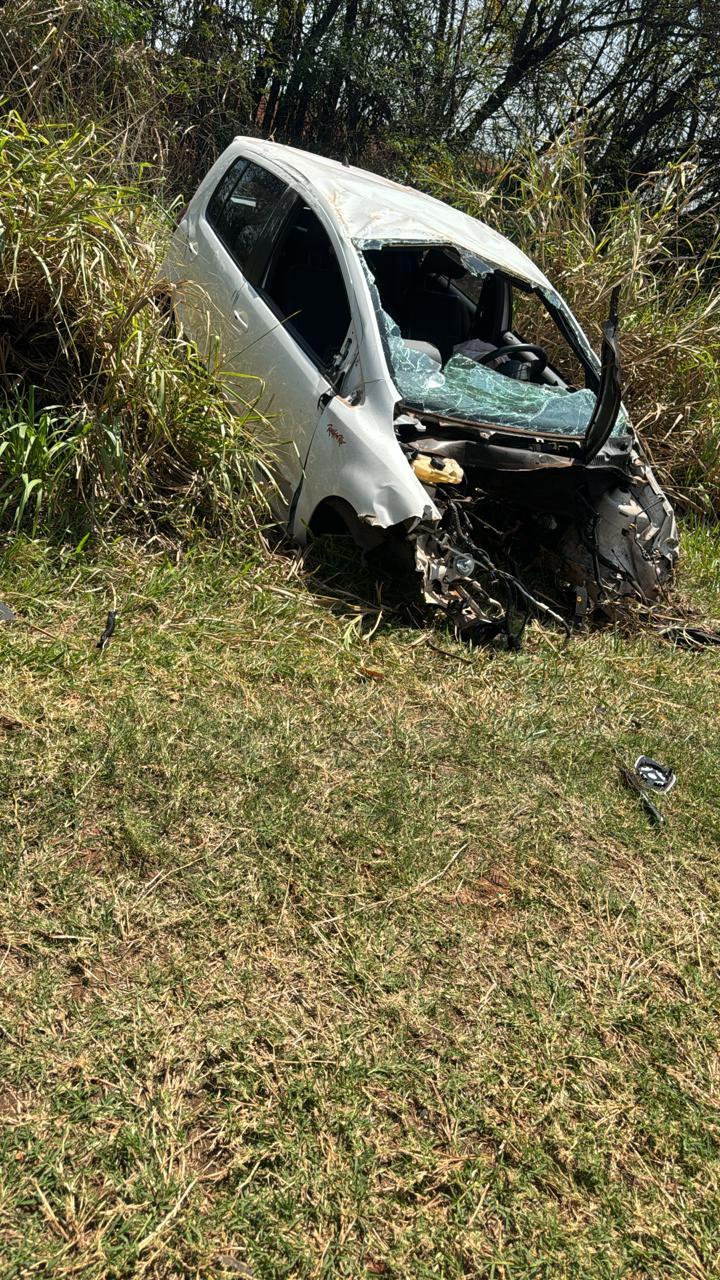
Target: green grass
x=324, y=953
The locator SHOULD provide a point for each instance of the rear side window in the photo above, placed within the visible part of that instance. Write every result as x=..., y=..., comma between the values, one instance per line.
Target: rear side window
x=241, y=205
x=305, y=285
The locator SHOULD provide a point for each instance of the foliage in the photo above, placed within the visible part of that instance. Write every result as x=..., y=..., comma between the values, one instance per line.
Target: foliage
x=105, y=411
x=662, y=248
x=358, y=77
x=94, y=62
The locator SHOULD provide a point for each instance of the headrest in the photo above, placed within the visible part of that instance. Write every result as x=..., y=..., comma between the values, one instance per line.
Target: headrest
x=438, y=262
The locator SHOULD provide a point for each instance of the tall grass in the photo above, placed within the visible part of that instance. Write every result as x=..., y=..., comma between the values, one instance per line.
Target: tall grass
x=103, y=413
x=665, y=256
x=90, y=61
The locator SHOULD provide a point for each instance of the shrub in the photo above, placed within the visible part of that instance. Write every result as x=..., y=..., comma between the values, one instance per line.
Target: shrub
x=95, y=61
x=105, y=413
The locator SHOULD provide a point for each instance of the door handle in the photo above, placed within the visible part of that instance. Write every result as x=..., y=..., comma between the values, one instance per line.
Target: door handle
x=240, y=320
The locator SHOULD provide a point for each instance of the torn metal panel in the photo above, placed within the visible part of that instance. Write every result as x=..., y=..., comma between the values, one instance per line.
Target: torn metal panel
x=372, y=209
x=608, y=406
x=621, y=545
x=628, y=543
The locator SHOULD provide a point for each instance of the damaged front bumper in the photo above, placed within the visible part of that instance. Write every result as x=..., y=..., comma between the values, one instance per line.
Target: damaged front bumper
x=482, y=600
x=592, y=536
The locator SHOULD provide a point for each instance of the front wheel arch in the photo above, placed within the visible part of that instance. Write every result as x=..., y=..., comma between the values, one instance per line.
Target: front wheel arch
x=395, y=552
x=334, y=515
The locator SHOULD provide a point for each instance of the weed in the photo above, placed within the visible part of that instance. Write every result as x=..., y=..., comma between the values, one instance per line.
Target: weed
x=106, y=413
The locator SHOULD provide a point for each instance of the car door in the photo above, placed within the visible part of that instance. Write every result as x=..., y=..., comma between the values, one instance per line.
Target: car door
x=311, y=354
x=262, y=359
x=223, y=235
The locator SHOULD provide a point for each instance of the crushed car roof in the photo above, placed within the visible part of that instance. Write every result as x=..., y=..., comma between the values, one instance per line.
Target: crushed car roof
x=372, y=208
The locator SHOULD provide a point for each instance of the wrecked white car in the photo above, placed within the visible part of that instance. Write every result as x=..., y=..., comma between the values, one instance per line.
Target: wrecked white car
x=427, y=385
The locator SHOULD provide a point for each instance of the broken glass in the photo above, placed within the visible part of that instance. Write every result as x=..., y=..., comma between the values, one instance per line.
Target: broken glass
x=466, y=389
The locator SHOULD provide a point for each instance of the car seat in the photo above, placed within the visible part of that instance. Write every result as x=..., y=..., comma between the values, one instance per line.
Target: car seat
x=436, y=313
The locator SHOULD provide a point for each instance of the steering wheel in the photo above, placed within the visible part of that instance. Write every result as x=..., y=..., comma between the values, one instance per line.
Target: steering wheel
x=511, y=349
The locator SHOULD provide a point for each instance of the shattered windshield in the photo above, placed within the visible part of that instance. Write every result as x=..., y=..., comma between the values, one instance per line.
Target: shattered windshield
x=453, y=347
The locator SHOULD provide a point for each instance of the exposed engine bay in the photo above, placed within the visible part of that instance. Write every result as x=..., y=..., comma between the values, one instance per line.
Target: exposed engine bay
x=537, y=478
x=594, y=536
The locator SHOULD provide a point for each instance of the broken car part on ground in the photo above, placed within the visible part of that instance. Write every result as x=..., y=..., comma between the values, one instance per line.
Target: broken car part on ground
x=427, y=385
x=649, y=775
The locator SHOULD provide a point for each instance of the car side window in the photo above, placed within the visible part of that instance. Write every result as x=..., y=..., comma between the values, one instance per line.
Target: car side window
x=241, y=205
x=305, y=285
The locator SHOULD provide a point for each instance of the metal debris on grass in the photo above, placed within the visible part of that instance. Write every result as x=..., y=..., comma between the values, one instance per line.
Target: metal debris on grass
x=109, y=631
x=649, y=775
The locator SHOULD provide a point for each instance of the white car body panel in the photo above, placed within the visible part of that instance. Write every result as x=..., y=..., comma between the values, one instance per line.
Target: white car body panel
x=367, y=207
x=354, y=457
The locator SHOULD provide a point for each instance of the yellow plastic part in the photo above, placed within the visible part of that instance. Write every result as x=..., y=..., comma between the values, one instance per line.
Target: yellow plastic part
x=437, y=470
